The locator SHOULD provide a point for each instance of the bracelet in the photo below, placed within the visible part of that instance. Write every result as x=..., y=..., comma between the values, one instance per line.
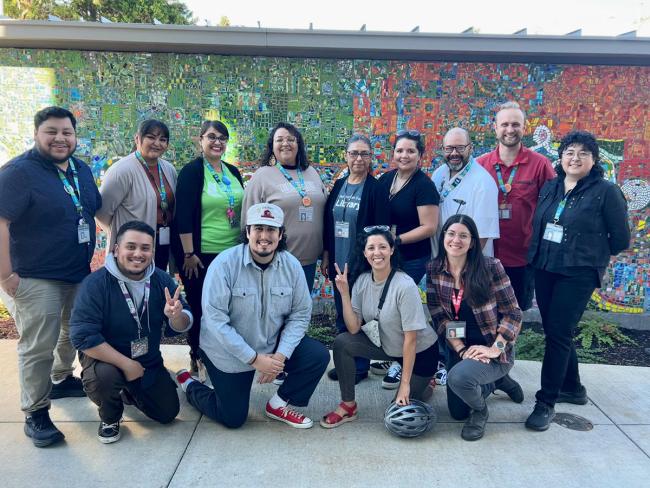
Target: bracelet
x=460, y=353
x=253, y=361
x=398, y=241
x=189, y=254
x=8, y=277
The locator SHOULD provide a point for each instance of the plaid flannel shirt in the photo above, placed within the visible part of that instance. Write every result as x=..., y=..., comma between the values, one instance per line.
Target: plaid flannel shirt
x=499, y=315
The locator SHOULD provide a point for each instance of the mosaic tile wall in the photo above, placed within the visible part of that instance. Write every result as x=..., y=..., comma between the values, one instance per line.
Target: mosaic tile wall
x=329, y=99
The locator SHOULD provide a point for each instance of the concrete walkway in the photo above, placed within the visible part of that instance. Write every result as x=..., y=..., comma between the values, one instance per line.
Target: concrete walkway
x=194, y=451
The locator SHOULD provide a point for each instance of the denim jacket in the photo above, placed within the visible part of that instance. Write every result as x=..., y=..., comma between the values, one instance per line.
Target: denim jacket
x=247, y=310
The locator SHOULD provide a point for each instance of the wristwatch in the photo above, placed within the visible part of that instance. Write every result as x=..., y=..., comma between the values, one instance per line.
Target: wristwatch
x=188, y=254
x=500, y=345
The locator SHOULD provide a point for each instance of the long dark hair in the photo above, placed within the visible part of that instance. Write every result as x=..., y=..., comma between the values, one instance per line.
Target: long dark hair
x=588, y=142
x=358, y=262
x=475, y=277
x=301, y=157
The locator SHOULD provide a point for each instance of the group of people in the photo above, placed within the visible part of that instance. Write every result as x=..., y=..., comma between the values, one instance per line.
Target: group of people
x=485, y=232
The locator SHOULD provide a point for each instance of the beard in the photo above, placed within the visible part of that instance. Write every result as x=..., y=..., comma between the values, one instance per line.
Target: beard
x=47, y=155
x=456, y=165
x=513, y=142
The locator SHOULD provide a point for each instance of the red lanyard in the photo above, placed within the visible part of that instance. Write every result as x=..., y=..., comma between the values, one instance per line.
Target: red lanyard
x=456, y=299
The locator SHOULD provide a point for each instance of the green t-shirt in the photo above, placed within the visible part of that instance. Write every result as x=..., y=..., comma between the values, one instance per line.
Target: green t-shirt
x=216, y=233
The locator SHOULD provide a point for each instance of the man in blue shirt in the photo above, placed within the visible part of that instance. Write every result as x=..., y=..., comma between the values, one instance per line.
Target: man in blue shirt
x=48, y=201
x=256, y=310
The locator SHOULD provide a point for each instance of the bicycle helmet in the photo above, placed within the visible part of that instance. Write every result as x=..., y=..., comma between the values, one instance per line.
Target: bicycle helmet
x=410, y=420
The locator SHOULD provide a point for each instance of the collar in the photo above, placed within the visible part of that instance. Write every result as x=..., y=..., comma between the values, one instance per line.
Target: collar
x=45, y=162
x=521, y=158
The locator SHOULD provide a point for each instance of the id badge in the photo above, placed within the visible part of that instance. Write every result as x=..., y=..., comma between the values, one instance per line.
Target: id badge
x=553, y=232
x=305, y=214
x=234, y=223
x=83, y=232
x=455, y=329
x=139, y=347
x=342, y=229
x=505, y=211
x=163, y=236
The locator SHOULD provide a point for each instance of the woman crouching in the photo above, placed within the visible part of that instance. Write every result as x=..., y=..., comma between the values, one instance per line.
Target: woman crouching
x=473, y=306
x=385, y=321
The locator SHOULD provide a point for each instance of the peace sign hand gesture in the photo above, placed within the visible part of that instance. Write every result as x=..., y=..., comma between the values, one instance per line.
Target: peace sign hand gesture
x=341, y=279
x=173, y=305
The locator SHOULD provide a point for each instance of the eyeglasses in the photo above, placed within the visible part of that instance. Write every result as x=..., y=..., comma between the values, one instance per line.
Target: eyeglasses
x=356, y=154
x=451, y=149
x=370, y=228
x=462, y=235
x=215, y=138
x=582, y=155
x=412, y=133
x=288, y=140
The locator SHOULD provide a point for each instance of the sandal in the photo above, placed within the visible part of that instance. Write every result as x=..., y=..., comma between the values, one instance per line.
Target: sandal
x=333, y=419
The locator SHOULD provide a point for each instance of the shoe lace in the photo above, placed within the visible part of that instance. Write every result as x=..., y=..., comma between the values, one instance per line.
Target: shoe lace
x=113, y=426
x=395, y=370
x=287, y=411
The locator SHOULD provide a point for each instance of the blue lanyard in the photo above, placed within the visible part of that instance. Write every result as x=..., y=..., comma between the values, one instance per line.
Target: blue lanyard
x=560, y=207
x=505, y=187
x=300, y=186
x=75, y=193
x=456, y=181
x=225, y=186
x=162, y=191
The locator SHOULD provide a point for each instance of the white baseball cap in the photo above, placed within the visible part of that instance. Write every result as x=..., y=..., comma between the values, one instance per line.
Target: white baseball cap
x=265, y=214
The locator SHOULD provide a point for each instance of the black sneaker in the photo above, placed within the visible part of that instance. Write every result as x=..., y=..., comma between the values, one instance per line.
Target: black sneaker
x=541, y=417
x=576, y=397
x=108, y=433
x=511, y=388
x=393, y=377
x=69, y=388
x=41, y=430
x=474, y=427
x=358, y=377
x=380, y=367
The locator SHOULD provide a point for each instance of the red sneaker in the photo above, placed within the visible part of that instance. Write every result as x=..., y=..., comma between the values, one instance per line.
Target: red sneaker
x=289, y=416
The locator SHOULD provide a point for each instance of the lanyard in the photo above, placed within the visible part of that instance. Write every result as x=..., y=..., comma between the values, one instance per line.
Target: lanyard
x=300, y=186
x=225, y=186
x=560, y=207
x=456, y=299
x=505, y=187
x=393, y=191
x=456, y=181
x=131, y=305
x=348, y=198
x=74, y=192
x=161, y=190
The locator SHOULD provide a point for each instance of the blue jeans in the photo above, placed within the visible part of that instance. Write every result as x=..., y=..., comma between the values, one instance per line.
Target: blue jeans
x=416, y=268
x=310, y=274
x=362, y=364
x=228, y=402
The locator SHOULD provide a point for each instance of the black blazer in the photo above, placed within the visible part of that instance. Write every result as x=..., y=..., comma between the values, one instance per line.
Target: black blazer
x=370, y=213
x=187, y=219
x=595, y=223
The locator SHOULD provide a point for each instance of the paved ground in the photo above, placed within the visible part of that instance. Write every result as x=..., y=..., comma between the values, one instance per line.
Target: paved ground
x=194, y=451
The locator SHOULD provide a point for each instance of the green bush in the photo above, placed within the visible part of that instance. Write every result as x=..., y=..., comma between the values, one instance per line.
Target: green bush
x=4, y=313
x=595, y=331
x=530, y=345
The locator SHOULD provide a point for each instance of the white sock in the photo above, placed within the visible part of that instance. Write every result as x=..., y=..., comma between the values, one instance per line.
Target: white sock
x=277, y=402
x=186, y=383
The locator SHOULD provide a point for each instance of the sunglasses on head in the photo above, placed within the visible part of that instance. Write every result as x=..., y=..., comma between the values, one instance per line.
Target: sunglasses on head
x=412, y=133
x=370, y=228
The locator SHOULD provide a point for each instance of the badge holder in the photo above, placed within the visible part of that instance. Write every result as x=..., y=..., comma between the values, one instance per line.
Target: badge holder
x=164, y=236
x=139, y=347
x=455, y=329
x=553, y=232
x=342, y=229
x=305, y=214
x=505, y=211
x=83, y=232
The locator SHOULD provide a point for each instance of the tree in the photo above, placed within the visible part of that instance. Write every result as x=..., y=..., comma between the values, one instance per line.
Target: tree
x=224, y=21
x=135, y=11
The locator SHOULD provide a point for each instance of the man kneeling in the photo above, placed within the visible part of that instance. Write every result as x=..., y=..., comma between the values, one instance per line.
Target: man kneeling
x=117, y=322
x=256, y=310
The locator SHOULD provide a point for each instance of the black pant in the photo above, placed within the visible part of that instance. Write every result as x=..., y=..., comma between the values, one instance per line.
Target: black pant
x=522, y=279
x=193, y=292
x=103, y=382
x=561, y=300
x=228, y=402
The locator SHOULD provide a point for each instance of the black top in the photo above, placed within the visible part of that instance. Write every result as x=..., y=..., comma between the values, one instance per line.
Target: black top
x=369, y=214
x=187, y=218
x=419, y=191
x=594, y=221
x=43, y=220
x=473, y=334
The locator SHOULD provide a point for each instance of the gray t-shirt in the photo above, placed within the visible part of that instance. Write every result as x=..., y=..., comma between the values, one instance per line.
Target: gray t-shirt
x=402, y=311
x=346, y=209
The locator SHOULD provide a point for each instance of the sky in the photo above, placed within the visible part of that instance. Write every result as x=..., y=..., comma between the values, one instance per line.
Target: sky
x=543, y=17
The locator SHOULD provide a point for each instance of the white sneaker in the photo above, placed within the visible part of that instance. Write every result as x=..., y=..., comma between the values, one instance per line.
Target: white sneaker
x=393, y=377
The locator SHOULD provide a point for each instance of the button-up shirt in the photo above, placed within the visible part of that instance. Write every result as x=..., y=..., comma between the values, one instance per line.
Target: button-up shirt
x=247, y=310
